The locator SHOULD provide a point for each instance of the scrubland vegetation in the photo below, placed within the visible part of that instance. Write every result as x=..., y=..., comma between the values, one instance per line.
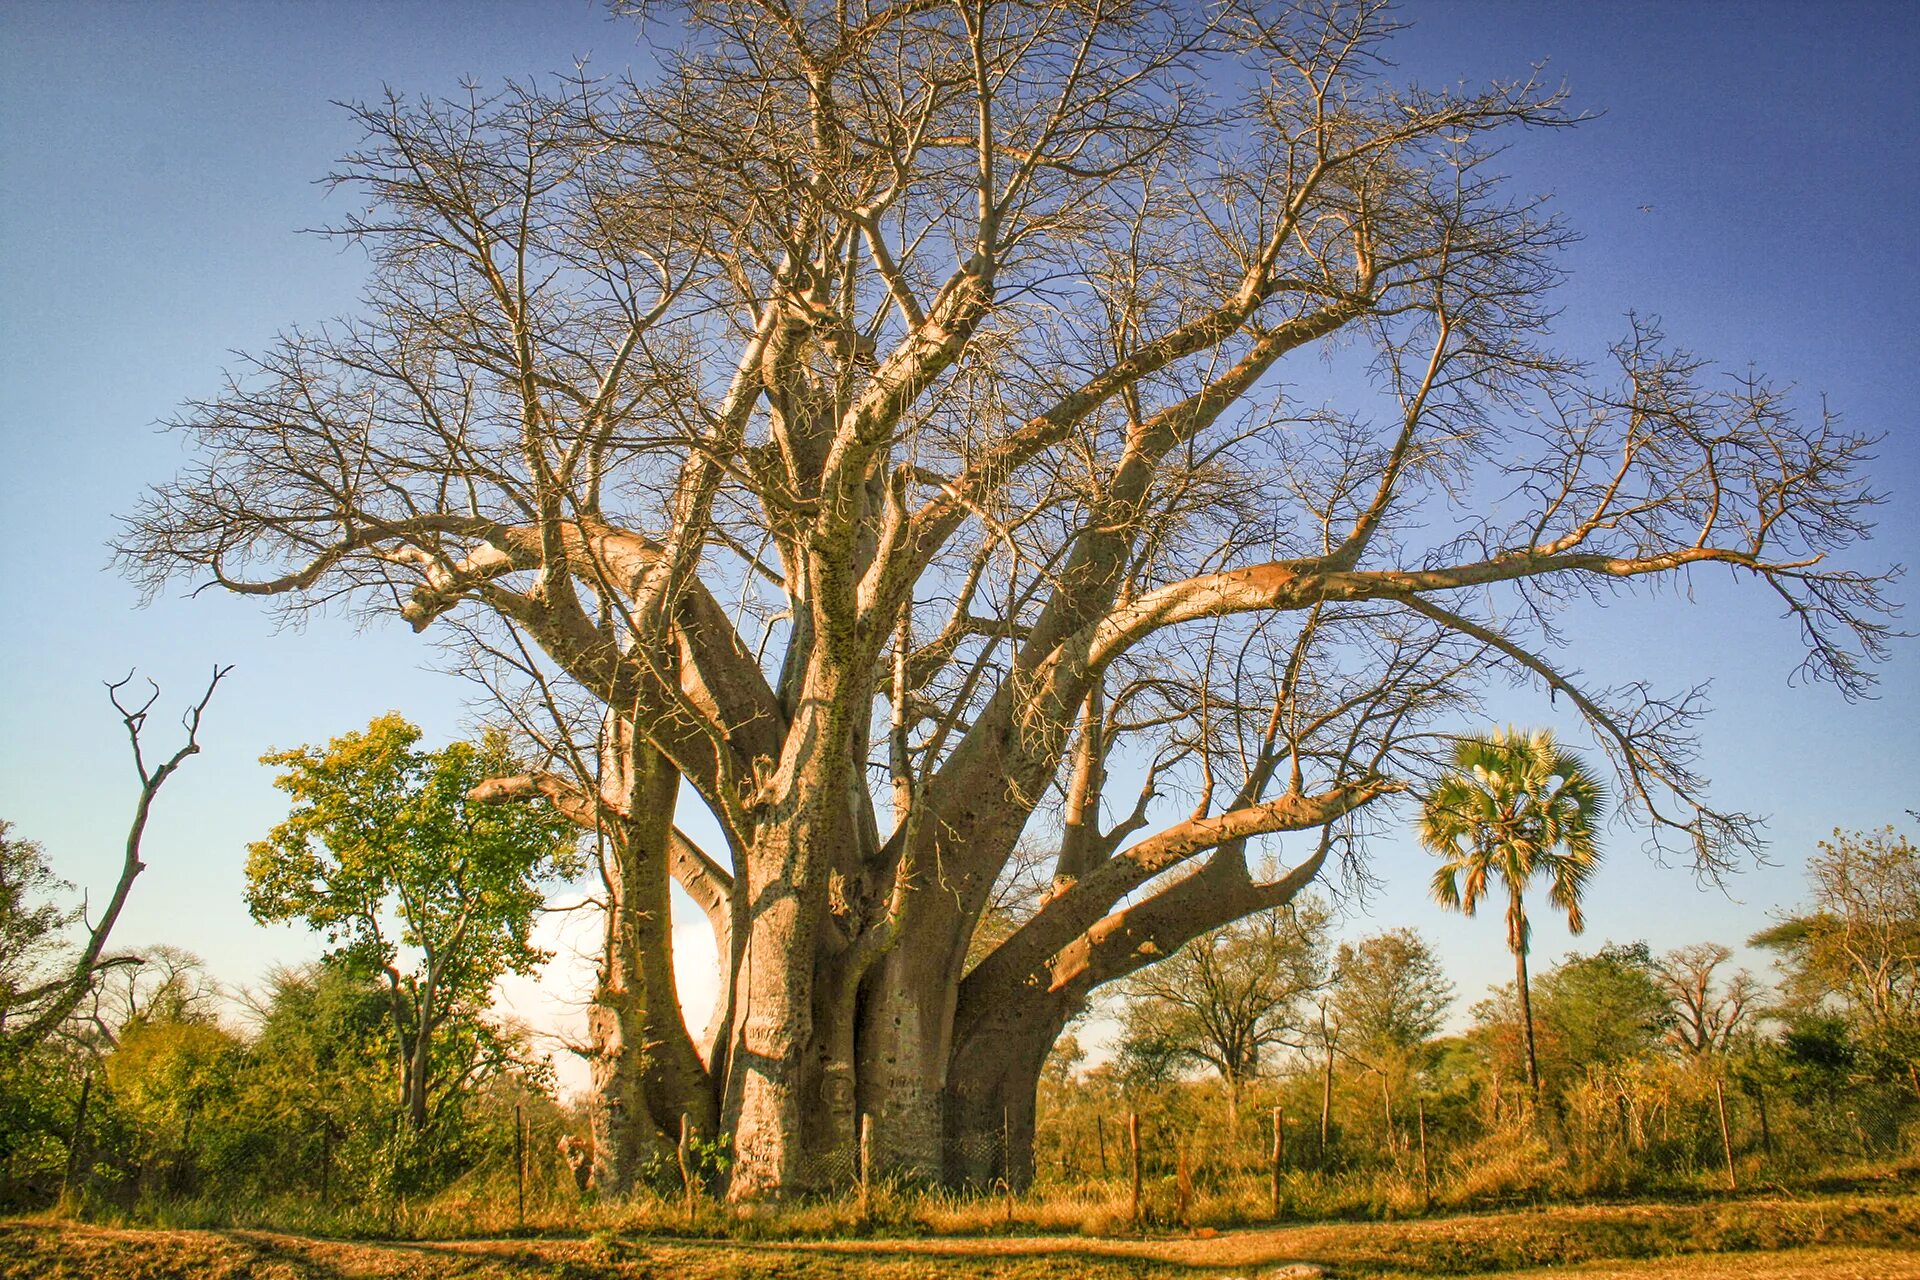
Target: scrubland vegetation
x=163, y=1102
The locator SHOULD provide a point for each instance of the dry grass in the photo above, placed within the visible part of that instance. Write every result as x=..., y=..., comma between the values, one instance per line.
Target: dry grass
x=1833, y=1237
x=1792, y=1264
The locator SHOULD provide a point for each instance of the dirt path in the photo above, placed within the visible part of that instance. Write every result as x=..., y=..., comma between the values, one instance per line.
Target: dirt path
x=1855, y=1237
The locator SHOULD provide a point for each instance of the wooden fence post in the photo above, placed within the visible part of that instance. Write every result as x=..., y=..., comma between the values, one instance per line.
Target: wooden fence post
x=1279, y=1154
x=1386, y=1107
x=1183, y=1180
x=866, y=1166
x=1133, y=1142
x=1726, y=1136
x=1426, y=1180
x=326, y=1156
x=1006, y=1160
x=684, y=1150
x=1326, y=1099
x=1006, y=1145
x=520, y=1163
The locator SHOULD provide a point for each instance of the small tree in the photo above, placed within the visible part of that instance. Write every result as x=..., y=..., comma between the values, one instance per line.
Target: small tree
x=1854, y=946
x=408, y=879
x=1230, y=996
x=1515, y=806
x=1605, y=1008
x=1391, y=992
x=31, y=921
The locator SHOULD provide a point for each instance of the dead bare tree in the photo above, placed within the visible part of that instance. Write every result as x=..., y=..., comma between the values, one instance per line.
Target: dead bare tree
x=869, y=424
x=37, y=1012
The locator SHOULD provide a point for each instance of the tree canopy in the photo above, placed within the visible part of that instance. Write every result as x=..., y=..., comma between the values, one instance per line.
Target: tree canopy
x=1232, y=999
x=1391, y=992
x=1853, y=948
x=410, y=880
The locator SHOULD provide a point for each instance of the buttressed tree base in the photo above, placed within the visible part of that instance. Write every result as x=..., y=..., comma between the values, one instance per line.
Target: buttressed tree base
x=873, y=426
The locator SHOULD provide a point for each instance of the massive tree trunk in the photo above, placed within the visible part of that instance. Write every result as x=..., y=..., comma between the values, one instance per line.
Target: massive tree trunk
x=645, y=1070
x=910, y=996
x=1009, y=1017
x=767, y=1058
x=993, y=1088
x=905, y=1031
x=790, y=1113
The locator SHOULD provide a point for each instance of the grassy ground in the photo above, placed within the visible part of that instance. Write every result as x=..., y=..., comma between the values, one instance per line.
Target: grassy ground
x=1851, y=1236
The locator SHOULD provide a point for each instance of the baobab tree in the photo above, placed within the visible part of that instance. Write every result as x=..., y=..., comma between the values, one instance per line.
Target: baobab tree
x=870, y=427
x=1709, y=1007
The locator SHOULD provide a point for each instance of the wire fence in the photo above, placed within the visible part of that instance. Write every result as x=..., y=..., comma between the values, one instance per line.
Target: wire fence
x=528, y=1162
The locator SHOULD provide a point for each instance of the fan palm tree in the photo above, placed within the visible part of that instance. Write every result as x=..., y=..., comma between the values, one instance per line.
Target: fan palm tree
x=1515, y=805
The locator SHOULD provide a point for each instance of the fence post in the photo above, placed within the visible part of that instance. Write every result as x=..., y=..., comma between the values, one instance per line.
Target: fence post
x=1279, y=1153
x=520, y=1163
x=681, y=1150
x=74, y=1137
x=1006, y=1163
x=1386, y=1107
x=1726, y=1137
x=1133, y=1142
x=1426, y=1180
x=1006, y=1160
x=1326, y=1101
x=866, y=1166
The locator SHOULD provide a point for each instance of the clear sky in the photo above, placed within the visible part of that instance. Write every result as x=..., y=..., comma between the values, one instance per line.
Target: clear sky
x=1751, y=181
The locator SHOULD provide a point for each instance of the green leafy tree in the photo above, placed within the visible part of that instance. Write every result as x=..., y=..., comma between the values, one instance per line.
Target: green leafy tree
x=318, y=1074
x=1604, y=1009
x=1515, y=805
x=1600, y=1010
x=31, y=920
x=1390, y=993
x=174, y=1083
x=1853, y=949
x=409, y=879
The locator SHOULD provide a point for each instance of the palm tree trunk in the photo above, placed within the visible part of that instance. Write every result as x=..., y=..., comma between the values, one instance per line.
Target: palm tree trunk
x=1517, y=938
x=1526, y=1021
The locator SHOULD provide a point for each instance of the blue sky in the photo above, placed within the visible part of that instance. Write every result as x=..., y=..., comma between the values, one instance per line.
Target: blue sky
x=1751, y=181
